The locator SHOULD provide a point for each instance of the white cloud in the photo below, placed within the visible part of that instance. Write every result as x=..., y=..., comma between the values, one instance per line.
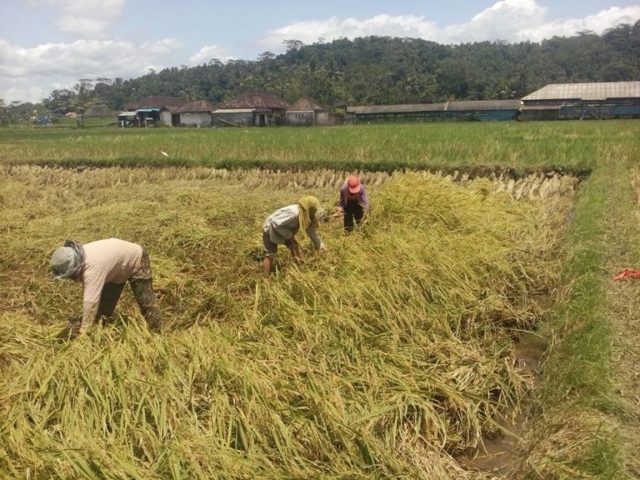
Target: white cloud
x=85, y=18
x=30, y=74
x=334, y=27
x=598, y=23
x=210, y=52
x=83, y=26
x=504, y=20
x=511, y=20
x=161, y=47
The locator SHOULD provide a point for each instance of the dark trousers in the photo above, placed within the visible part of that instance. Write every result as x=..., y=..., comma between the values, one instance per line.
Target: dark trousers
x=353, y=211
x=142, y=291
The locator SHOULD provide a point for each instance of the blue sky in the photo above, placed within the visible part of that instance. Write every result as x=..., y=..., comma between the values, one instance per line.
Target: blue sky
x=49, y=44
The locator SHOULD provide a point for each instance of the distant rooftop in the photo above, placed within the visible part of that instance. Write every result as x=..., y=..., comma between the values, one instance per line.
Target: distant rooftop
x=438, y=107
x=305, y=105
x=465, y=105
x=586, y=91
x=197, y=106
x=403, y=108
x=256, y=100
x=240, y=110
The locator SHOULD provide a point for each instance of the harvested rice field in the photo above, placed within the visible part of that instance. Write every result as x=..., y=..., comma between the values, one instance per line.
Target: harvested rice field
x=392, y=354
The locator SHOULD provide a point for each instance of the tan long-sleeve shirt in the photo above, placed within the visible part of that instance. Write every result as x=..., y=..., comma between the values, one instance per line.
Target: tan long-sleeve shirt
x=106, y=261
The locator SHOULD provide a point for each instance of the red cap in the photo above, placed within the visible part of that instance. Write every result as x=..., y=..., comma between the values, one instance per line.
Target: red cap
x=353, y=182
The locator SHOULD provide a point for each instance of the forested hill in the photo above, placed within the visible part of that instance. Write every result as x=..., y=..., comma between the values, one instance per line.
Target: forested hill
x=384, y=70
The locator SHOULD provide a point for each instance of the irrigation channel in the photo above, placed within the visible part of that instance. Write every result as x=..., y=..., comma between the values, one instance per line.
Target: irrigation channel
x=408, y=349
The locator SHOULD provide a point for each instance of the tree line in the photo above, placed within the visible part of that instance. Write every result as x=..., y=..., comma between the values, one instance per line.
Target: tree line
x=379, y=70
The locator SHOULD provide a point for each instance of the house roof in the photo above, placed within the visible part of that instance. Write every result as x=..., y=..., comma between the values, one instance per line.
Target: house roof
x=256, y=100
x=306, y=105
x=170, y=103
x=473, y=105
x=513, y=104
x=236, y=110
x=527, y=108
x=406, y=108
x=197, y=106
x=586, y=91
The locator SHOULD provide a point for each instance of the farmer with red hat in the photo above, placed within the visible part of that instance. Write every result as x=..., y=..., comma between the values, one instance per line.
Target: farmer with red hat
x=353, y=201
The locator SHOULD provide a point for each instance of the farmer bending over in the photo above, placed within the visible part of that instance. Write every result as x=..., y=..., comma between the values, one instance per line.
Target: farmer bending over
x=103, y=267
x=353, y=201
x=282, y=226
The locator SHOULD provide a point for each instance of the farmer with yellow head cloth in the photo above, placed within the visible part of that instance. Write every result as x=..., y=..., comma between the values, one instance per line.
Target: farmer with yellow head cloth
x=282, y=225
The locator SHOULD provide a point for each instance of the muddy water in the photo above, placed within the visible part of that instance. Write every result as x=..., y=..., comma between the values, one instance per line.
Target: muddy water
x=498, y=456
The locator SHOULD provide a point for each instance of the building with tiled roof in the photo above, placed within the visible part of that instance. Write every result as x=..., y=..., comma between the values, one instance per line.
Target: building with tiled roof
x=196, y=113
x=164, y=107
x=252, y=108
x=307, y=112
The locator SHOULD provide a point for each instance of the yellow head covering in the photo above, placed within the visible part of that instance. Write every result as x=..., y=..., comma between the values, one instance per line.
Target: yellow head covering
x=309, y=207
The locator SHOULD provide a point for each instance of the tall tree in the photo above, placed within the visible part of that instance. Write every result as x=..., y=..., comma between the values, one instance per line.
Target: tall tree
x=59, y=101
x=82, y=99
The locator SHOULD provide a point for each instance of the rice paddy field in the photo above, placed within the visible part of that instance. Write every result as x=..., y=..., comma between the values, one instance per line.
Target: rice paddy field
x=468, y=329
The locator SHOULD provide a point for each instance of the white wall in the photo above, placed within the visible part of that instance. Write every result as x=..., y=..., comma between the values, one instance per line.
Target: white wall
x=165, y=118
x=201, y=119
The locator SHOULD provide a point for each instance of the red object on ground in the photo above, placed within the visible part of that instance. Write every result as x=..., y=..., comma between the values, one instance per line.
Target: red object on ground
x=627, y=273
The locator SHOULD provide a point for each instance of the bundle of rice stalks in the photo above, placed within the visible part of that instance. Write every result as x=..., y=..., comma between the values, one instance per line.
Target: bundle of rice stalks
x=387, y=356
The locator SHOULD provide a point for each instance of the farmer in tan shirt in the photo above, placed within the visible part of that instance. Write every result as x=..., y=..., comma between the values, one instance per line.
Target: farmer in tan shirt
x=103, y=267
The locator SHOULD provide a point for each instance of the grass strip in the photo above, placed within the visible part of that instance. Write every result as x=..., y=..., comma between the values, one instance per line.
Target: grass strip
x=578, y=434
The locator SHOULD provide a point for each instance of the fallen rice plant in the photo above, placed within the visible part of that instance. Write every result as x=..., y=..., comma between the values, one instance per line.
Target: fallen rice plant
x=387, y=356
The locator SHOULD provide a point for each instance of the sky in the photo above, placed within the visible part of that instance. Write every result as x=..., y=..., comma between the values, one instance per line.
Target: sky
x=51, y=44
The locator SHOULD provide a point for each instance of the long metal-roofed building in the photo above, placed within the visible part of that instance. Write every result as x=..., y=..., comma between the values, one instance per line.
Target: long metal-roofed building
x=573, y=101
x=472, y=110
